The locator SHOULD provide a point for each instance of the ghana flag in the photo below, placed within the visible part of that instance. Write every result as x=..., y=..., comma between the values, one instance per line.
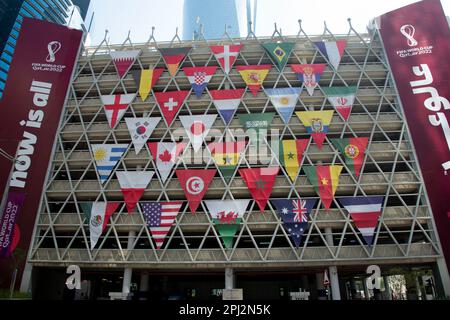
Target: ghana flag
x=226, y=156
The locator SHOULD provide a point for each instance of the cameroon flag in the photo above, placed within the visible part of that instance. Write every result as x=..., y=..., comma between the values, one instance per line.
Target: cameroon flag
x=325, y=180
x=291, y=155
x=226, y=156
x=353, y=150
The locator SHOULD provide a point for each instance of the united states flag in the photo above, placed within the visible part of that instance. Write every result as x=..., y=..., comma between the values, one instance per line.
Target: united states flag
x=159, y=216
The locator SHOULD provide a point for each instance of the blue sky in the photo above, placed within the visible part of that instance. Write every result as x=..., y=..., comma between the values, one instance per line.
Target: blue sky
x=138, y=16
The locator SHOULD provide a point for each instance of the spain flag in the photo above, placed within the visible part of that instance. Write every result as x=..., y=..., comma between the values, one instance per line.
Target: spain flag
x=325, y=180
x=254, y=76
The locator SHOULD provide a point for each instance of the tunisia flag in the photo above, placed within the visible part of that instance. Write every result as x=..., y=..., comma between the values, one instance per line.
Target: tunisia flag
x=195, y=182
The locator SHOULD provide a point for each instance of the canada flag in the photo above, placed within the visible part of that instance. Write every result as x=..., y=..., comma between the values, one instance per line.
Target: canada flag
x=164, y=155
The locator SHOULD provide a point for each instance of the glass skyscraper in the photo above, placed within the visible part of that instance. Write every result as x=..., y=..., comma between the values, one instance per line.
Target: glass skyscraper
x=12, y=13
x=213, y=15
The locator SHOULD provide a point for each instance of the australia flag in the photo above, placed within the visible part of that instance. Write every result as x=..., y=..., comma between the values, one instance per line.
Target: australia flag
x=294, y=213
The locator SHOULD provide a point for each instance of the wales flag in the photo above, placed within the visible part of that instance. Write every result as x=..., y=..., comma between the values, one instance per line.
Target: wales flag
x=279, y=52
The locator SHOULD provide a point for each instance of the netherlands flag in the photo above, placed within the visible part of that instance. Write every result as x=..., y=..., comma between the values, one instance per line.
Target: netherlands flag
x=365, y=212
x=226, y=102
x=332, y=50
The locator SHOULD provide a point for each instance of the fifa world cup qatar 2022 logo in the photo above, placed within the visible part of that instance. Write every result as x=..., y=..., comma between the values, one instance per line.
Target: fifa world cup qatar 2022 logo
x=413, y=49
x=53, y=47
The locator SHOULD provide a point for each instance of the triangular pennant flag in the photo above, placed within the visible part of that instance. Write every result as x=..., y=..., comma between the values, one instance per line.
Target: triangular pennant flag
x=170, y=103
x=106, y=157
x=226, y=156
x=279, y=52
x=325, y=180
x=226, y=55
x=294, y=213
x=332, y=50
x=159, y=217
x=174, y=57
x=145, y=80
x=256, y=125
x=86, y=207
x=226, y=102
x=227, y=216
x=123, y=60
x=197, y=128
x=199, y=77
x=164, y=155
x=195, y=182
x=365, y=212
x=140, y=130
x=353, y=149
x=291, y=155
x=342, y=99
x=133, y=184
x=309, y=75
x=260, y=182
x=99, y=217
x=317, y=124
x=115, y=106
x=254, y=76
x=284, y=101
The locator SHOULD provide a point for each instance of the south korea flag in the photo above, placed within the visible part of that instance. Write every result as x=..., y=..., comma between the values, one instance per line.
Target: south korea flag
x=140, y=130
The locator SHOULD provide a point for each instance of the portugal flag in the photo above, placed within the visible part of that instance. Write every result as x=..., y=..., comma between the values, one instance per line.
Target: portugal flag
x=353, y=150
x=254, y=76
x=325, y=180
x=260, y=182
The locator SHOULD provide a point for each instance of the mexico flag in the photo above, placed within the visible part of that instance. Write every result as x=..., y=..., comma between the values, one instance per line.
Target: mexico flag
x=325, y=180
x=226, y=102
x=123, y=60
x=342, y=99
x=226, y=55
x=260, y=182
x=365, y=212
x=254, y=76
x=164, y=155
x=227, y=216
x=133, y=184
x=353, y=150
x=195, y=182
x=174, y=57
x=115, y=106
x=197, y=128
x=199, y=77
x=98, y=214
x=145, y=80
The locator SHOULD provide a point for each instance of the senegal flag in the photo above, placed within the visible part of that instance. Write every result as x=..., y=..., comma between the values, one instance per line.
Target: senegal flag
x=279, y=52
x=291, y=155
x=226, y=156
x=325, y=180
x=353, y=150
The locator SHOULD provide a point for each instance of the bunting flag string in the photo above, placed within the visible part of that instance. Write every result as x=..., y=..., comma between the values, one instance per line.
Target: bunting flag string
x=332, y=50
x=353, y=150
x=199, y=77
x=123, y=60
x=174, y=57
x=197, y=128
x=325, y=180
x=227, y=217
x=98, y=214
x=140, y=130
x=309, y=75
x=294, y=213
x=159, y=217
x=106, y=156
x=291, y=155
x=317, y=124
x=342, y=99
x=260, y=182
x=226, y=102
x=226, y=55
x=115, y=106
x=170, y=103
x=284, y=101
x=365, y=212
x=279, y=52
x=164, y=155
x=195, y=182
x=133, y=184
x=226, y=156
x=145, y=80
x=254, y=76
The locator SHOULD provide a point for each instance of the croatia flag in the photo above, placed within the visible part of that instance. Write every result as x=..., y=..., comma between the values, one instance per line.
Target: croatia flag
x=332, y=50
x=226, y=102
x=365, y=212
x=199, y=77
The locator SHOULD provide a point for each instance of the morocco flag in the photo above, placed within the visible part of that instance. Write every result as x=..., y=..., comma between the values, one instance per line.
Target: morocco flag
x=132, y=185
x=325, y=180
x=260, y=182
x=353, y=150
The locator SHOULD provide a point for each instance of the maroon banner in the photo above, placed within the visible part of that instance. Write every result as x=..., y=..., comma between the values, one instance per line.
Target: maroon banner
x=9, y=234
x=416, y=39
x=30, y=112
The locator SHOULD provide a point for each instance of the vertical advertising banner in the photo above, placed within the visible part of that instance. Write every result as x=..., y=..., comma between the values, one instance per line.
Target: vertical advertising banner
x=30, y=112
x=416, y=39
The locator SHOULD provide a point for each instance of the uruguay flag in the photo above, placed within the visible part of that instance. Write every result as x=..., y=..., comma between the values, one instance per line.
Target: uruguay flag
x=365, y=212
x=106, y=157
x=284, y=101
x=226, y=102
x=332, y=50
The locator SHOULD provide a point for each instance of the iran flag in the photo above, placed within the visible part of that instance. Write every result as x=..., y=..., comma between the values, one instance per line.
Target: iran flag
x=132, y=185
x=197, y=128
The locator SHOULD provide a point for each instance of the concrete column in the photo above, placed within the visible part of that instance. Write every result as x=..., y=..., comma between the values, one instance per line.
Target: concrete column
x=333, y=274
x=229, y=278
x=387, y=289
x=143, y=286
x=442, y=277
x=319, y=284
x=128, y=272
x=366, y=290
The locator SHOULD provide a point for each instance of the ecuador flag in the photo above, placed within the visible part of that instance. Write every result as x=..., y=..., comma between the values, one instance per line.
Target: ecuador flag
x=325, y=180
x=316, y=123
